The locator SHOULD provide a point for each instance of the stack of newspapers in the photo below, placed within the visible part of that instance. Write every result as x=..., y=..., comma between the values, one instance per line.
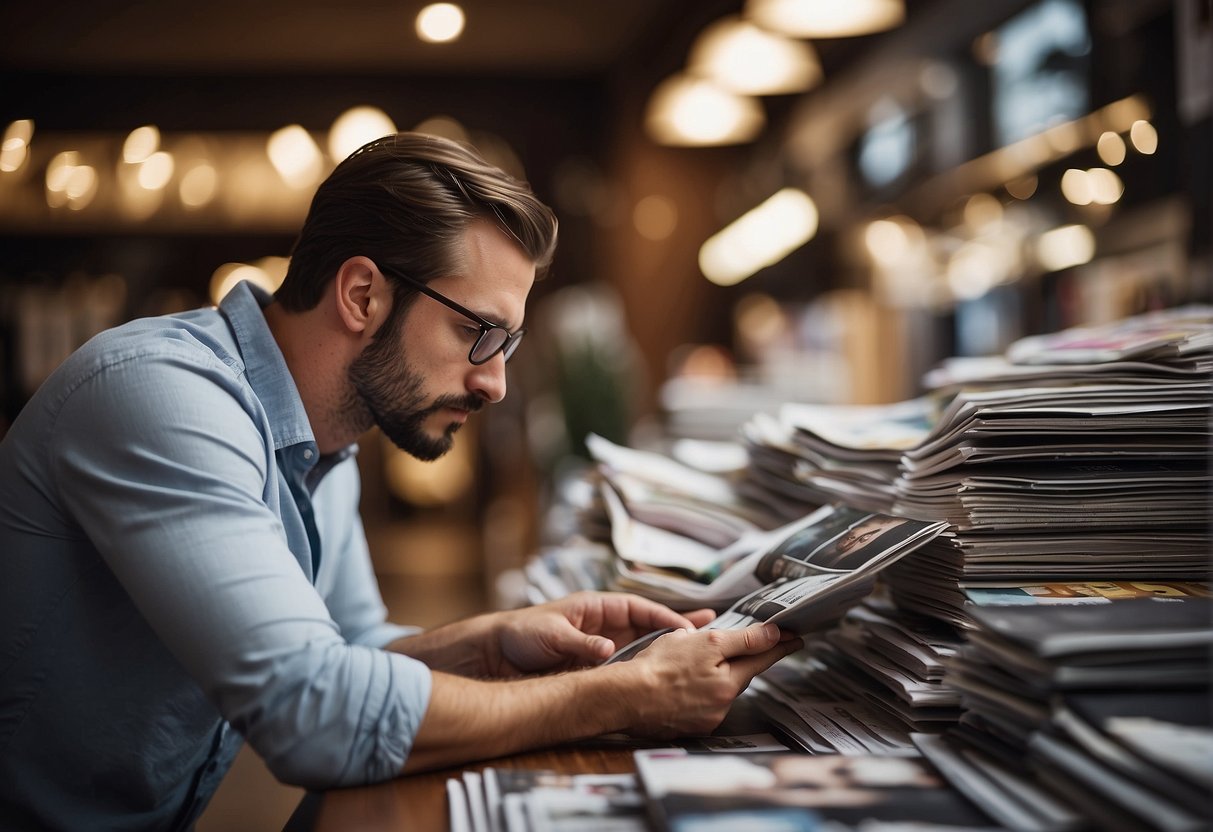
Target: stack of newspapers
x=1085, y=716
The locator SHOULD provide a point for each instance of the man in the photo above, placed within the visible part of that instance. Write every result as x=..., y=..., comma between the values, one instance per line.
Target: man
x=184, y=567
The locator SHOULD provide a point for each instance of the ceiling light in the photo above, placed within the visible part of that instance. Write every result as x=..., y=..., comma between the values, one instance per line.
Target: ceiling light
x=1106, y=187
x=15, y=149
x=890, y=241
x=690, y=111
x=1066, y=246
x=295, y=155
x=70, y=182
x=440, y=23
x=140, y=144
x=1076, y=187
x=199, y=185
x=1144, y=137
x=826, y=18
x=746, y=59
x=1111, y=148
x=155, y=171
x=225, y=278
x=759, y=238
x=355, y=127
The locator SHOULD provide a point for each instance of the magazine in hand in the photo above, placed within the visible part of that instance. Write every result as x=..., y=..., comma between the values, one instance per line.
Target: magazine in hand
x=818, y=571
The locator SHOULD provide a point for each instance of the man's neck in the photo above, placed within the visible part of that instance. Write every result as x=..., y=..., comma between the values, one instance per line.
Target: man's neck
x=318, y=367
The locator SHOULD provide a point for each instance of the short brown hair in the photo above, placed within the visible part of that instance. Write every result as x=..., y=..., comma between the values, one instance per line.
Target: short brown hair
x=404, y=201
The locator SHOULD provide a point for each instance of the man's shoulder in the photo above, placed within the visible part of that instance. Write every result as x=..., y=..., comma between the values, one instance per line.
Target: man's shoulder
x=201, y=332
x=146, y=365
x=194, y=342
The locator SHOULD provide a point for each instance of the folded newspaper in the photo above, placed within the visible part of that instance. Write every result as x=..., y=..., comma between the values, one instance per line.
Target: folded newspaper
x=813, y=571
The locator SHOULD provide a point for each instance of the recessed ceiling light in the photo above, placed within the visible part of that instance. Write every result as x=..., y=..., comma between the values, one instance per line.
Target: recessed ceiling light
x=440, y=23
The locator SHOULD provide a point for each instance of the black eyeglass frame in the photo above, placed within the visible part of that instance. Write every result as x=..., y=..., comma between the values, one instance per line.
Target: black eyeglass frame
x=508, y=346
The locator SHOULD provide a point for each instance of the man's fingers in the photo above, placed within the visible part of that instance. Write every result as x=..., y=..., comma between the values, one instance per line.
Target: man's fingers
x=598, y=647
x=700, y=617
x=744, y=668
x=751, y=640
x=569, y=643
x=644, y=614
x=760, y=637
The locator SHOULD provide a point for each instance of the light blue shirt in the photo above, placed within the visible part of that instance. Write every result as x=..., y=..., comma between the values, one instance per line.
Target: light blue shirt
x=177, y=561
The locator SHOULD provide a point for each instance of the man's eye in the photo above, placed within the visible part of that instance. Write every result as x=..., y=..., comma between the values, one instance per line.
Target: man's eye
x=471, y=331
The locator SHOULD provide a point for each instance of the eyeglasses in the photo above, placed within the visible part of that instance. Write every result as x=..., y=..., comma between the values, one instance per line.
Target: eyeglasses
x=493, y=338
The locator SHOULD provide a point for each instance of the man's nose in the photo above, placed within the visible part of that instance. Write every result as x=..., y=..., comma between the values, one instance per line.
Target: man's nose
x=487, y=380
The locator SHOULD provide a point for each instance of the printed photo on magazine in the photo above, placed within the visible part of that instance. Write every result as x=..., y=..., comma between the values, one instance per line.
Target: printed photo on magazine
x=814, y=575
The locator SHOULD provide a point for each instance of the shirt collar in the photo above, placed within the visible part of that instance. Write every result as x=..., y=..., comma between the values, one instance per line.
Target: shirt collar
x=264, y=366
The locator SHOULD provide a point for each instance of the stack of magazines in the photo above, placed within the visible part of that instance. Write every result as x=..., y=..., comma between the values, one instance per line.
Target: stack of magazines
x=812, y=454
x=827, y=699
x=896, y=661
x=1079, y=456
x=678, y=790
x=786, y=791
x=1085, y=716
x=689, y=540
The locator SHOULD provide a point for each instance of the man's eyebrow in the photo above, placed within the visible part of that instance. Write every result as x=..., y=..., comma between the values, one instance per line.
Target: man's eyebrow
x=497, y=319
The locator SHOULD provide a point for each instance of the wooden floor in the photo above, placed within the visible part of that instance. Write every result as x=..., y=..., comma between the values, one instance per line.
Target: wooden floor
x=428, y=575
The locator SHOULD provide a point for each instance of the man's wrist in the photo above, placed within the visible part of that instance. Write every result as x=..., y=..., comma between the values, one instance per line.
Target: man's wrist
x=614, y=703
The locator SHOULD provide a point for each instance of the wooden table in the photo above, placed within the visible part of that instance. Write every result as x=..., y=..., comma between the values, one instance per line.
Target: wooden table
x=419, y=800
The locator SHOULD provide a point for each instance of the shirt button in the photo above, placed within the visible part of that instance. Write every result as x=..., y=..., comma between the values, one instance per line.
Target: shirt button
x=307, y=454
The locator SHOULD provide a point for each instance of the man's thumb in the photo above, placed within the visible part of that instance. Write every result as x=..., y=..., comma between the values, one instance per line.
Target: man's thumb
x=598, y=647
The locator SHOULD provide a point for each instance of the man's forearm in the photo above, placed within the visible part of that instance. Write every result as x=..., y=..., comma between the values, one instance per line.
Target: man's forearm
x=469, y=719
x=458, y=648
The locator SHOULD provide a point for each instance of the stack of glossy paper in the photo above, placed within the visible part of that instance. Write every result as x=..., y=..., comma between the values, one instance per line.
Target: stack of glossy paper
x=1085, y=716
x=811, y=454
x=688, y=539
x=1080, y=456
x=783, y=791
x=864, y=686
x=530, y=800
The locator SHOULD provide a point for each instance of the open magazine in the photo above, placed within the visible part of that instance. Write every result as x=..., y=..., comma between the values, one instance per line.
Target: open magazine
x=816, y=571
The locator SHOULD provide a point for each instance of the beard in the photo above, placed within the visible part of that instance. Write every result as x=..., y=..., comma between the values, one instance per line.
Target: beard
x=386, y=391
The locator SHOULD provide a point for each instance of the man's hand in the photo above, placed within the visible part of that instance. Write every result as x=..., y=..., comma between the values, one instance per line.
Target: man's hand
x=682, y=684
x=579, y=630
x=693, y=677
x=576, y=631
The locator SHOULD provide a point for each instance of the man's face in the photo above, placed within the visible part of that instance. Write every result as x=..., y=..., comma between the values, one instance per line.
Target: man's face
x=394, y=393
x=414, y=379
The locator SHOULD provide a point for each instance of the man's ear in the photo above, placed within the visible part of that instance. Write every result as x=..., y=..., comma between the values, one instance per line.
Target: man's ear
x=362, y=295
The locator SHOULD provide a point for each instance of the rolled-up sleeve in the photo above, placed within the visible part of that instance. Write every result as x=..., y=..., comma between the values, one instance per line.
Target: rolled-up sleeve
x=183, y=510
x=347, y=578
